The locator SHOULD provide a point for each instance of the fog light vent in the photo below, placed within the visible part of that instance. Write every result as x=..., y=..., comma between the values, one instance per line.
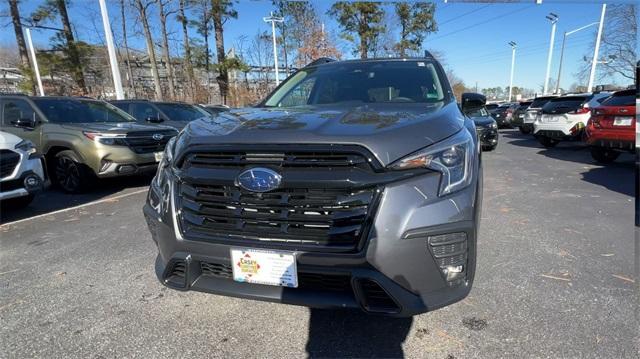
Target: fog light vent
x=176, y=274
x=450, y=252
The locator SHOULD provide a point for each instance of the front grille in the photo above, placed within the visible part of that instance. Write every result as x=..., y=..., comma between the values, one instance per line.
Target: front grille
x=376, y=298
x=142, y=141
x=307, y=281
x=216, y=270
x=283, y=159
x=331, y=218
x=8, y=162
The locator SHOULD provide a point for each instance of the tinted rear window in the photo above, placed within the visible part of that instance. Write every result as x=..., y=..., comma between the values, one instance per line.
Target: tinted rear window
x=625, y=98
x=181, y=112
x=539, y=102
x=564, y=104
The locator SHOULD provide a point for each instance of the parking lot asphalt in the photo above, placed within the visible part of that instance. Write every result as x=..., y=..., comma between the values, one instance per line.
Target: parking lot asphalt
x=555, y=278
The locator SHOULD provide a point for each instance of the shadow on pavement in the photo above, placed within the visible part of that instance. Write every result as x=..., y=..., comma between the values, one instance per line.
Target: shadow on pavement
x=616, y=177
x=54, y=199
x=336, y=333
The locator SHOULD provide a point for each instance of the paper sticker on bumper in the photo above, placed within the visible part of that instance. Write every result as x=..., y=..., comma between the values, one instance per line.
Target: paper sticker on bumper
x=264, y=267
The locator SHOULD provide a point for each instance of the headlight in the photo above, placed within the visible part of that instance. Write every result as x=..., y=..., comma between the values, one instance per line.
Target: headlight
x=493, y=125
x=453, y=158
x=106, y=138
x=26, y=146
x=167, y=158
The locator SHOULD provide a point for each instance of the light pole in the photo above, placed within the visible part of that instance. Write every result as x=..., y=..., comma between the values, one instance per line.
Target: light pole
x=273, y=20
x=115, y=70
x=592, y=74
x=564, y=39
x=554, y=21
x=27, y=32
x=513, y=62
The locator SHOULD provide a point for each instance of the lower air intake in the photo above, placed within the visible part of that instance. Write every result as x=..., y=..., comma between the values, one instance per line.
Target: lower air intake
x=376, y=298
x=176, y=275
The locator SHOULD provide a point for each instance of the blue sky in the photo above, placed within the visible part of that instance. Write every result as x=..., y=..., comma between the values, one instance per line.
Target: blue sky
x=472, y=36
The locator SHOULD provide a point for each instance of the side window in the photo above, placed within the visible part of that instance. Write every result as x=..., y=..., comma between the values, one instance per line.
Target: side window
x=14, y=110
x=142, y=111
x=123, y=106
x=299, y=96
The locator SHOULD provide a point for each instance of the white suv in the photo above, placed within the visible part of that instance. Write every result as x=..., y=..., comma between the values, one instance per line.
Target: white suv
x=565, y=117
x=21, y=172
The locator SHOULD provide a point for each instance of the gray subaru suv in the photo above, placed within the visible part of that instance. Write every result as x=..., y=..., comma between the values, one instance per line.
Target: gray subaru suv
x=354, y=184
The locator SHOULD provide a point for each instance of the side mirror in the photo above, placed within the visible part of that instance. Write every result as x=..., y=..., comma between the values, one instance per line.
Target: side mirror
x=154, y=119
x=472, y=101
x=25, y=122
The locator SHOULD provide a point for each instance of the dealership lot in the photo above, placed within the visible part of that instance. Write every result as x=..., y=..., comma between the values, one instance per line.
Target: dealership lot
x=555, y=278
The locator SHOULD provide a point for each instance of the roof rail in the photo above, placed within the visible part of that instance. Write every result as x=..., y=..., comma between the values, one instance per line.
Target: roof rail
x=320, y=61
x=428, y=55
x=13, y=94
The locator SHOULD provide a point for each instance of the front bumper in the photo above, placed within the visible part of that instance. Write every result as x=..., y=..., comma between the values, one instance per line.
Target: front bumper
x=397, y=263
x=28, y=178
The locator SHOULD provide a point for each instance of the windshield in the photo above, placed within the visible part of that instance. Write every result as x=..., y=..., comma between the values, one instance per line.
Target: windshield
x=80, y=111
x=361, y=82
x=478, y=112
x=182, y=112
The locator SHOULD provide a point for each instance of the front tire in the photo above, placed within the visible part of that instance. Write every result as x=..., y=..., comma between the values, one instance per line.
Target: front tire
x=547, y=142
x=69, y=174
x=604, y=155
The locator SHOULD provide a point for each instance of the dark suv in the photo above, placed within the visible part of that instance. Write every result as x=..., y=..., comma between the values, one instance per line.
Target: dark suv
x=354, y=184
x=174, y=114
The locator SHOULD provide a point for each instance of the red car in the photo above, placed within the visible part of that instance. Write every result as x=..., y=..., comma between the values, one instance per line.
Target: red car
x=611, y=128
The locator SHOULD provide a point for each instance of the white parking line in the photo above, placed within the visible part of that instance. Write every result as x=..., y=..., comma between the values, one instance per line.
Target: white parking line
x=107, y=199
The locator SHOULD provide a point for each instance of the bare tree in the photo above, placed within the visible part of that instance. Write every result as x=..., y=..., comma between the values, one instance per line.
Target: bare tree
x=221, y=11
x=618, y=44
x=187, y=48
x=22, y=47
x=142, y=12
x=126, y=48
x=166, y=53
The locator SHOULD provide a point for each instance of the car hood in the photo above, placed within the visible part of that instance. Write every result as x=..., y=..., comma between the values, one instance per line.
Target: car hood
x=114, y=128
x=483, y=121
x=389, y=131
x=8, y=140
x=178, y=125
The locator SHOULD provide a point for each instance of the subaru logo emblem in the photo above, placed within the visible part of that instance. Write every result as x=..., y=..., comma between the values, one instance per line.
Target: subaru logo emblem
x=259, y=179
x=157, y=136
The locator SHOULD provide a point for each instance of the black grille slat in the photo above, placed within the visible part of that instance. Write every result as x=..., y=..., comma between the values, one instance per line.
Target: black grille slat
x=323, y=217
x=8, y=162
x=283, y=159
x=142, y=141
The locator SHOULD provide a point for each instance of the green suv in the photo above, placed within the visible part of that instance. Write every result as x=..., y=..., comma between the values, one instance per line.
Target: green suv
x=83, y=139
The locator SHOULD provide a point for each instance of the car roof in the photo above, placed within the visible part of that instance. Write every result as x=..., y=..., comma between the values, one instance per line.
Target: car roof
x=372, y=60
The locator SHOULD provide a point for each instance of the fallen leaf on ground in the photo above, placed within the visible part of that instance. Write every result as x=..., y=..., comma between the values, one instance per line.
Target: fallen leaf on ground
x=554, y=277
x=624, y=278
